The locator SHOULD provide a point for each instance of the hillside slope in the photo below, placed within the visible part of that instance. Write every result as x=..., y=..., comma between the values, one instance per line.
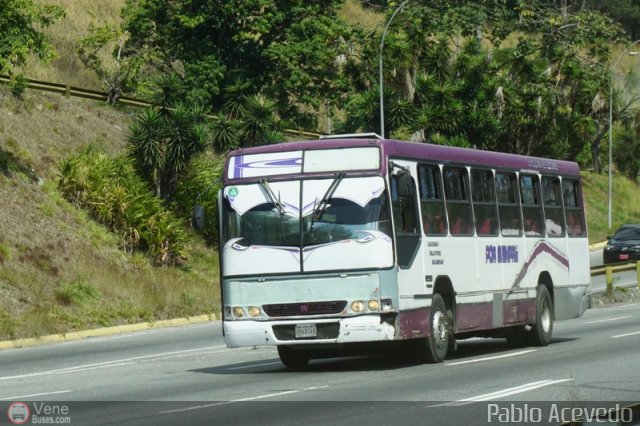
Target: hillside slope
x=59, y=270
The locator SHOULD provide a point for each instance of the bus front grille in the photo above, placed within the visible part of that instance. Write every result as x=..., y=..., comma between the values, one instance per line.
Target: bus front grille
x=304, y=308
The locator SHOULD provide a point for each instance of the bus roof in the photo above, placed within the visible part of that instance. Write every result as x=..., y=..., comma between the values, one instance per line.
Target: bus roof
x=426, y=152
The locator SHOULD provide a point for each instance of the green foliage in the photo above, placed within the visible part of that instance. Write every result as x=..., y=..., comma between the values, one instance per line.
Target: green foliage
x=118, y=75
x=162, y=143
x=283, y=49
x=528, y=80
x=21, y=23
x=5, y=253
x=116, y=197
x=76, y=293
x=200, y=186
x=18, y=86
x=626, y=151
x=627, y=12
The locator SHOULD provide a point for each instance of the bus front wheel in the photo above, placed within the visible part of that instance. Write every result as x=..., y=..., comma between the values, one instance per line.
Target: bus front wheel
x=293, y=358
x=540, y=334
x=433, y=348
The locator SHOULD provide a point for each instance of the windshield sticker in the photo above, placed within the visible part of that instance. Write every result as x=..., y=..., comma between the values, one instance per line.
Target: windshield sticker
x=232, y=193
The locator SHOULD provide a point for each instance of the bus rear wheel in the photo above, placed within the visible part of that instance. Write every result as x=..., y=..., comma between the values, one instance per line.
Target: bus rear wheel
x=434, y=347
x=296, y=359
x=540, y=334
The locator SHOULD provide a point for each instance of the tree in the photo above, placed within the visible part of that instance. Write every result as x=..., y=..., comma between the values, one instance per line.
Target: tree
x=451, y=79
x=21, y=23
x=283, y=49
x=117, y=75
x=162, y=143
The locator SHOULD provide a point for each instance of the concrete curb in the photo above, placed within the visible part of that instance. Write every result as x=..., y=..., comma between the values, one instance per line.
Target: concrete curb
x=106, y=331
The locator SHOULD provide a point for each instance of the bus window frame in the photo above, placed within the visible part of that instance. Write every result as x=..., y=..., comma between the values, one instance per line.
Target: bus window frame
x=514, y=189
x=575, y=212
x=533, y=224
x=551, y=217
x=464, y=205
x=432, y=205
x=479, y=206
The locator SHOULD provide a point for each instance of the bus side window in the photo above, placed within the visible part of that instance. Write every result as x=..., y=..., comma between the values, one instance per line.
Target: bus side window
x=552, y=200
x=508, y=204
x=484, y=202
x=456, y=187
x=531, y=205
x=434, y=221
x=573, y=208
x=403, y=204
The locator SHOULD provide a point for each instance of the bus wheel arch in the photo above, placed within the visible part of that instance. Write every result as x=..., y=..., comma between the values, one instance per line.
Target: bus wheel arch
x=444, y=288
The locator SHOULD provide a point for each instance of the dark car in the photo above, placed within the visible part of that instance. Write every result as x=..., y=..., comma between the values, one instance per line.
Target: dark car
x=623, y=246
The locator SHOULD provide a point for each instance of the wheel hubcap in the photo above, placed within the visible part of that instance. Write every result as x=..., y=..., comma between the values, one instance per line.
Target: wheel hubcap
x=545, y=317
x=439, y=330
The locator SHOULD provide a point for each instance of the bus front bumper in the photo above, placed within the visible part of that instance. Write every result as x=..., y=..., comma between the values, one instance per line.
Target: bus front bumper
x=365, y=328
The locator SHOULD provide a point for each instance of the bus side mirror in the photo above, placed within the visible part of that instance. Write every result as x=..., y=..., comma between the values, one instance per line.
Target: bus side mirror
x=197, y=217
x=405, y=185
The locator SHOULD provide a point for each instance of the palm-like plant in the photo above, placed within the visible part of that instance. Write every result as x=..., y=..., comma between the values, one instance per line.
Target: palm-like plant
x=258, y=120
x=146, y=146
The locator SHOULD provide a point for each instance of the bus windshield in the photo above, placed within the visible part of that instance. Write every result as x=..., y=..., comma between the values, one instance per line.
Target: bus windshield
x=295, y=226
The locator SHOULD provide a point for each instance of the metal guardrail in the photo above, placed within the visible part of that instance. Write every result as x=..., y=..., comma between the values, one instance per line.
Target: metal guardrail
x=609, y=270
x=79, y=92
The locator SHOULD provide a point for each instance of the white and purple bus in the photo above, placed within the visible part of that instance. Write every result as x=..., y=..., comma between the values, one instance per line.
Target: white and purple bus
x=334, y=243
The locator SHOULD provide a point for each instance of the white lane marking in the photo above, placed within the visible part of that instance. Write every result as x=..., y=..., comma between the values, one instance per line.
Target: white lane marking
x=113, y=363
x=607, y=320
x=491, y=357
x=251, y=398
x=503, y=393
x=32, y=395
x=626, y=334
x=254, y=365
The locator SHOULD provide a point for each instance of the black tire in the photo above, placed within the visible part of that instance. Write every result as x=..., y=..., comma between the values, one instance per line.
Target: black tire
x=541, y=332
x=433, y=348
x=296, y=359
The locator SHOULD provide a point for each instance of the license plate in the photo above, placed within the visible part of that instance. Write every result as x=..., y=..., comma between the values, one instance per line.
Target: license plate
x=624, y=257
x=305, y=331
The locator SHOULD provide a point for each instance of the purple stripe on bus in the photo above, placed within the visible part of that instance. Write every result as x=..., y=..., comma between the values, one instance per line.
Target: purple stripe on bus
x=237, y=169
x=541, y=247
x=268, y=164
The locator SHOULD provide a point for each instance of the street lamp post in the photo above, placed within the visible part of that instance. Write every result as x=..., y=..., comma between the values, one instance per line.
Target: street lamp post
x=384, y=33
x=615, y=64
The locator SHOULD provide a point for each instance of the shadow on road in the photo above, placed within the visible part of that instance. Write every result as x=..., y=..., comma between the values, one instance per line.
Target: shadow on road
x=390, y=359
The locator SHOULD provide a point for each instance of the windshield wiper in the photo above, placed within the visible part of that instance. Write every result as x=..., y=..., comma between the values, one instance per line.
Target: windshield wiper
x=324, y=202
x=272, y=196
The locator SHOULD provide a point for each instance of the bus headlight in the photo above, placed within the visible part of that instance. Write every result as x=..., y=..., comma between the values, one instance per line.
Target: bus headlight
x=254, y=311
x=373, y=305
x=357, y=306
x=238, y=312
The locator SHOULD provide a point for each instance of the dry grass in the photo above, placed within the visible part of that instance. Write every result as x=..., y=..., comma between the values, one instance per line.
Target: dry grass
x=355, y=14
x=65, y=35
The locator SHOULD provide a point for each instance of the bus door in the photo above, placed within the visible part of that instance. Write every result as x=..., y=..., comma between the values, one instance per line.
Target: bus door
x=408, y=232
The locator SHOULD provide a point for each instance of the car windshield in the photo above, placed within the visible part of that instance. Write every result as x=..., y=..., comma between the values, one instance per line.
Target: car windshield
x=627, y=233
